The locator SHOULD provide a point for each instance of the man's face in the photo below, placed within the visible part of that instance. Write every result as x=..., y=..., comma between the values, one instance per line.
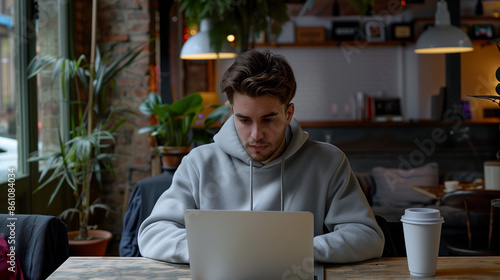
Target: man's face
x=261, y=125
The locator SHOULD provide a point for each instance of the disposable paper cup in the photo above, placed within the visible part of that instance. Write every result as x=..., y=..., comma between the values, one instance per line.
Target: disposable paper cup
x=450, y=186
x=422, y=232
x=492, y=175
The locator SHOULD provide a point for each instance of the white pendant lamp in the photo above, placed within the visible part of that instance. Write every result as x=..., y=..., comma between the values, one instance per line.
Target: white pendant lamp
x=443, y=37
x=198, y=47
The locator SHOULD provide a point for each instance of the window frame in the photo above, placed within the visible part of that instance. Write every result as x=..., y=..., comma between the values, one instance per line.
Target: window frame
x=26, y=181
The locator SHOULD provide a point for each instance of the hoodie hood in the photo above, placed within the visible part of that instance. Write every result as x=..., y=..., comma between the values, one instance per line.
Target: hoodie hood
x=227, y=140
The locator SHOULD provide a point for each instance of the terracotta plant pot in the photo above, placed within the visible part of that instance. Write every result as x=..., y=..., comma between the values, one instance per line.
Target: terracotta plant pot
x=171, y=156
x=96, y=246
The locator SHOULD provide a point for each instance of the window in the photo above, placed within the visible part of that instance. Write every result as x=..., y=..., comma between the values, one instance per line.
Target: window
x=8, y=108
x=31, y=111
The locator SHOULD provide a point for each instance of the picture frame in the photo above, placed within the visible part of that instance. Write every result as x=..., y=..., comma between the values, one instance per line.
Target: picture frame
x=387, y=109
x=345, y=30
x=310, y=34
x=482, y=31
x=402, y=31
x=375, y=31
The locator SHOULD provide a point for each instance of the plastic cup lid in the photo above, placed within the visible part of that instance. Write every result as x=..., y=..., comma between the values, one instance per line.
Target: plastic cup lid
x=422, y=216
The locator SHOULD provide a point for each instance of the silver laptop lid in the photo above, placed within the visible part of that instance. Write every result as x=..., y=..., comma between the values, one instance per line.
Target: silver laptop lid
x=250, y=244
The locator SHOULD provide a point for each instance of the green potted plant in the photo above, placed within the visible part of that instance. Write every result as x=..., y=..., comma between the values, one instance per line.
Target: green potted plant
x=362, y=6
x=84, y=157
x=175, y=131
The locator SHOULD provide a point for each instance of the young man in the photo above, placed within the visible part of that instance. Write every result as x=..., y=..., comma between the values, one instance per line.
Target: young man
x=262, y=141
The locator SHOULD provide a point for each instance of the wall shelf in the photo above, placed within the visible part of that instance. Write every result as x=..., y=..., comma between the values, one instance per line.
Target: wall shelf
x=354, y=123
x=335, y=44
x=361, y=44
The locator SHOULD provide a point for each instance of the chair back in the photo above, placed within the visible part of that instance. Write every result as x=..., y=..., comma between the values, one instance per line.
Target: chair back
x=41, y=243
x=478, y=201
x=473, y=201
x=142, y=201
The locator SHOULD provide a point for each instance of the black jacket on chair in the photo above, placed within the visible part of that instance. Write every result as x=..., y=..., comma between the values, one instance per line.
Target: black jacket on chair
x=41, y=243
x=144, y=196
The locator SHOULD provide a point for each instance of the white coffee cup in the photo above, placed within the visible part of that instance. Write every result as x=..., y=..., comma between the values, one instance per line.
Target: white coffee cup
x=450, y=186
x=492, y=175
x=422, y=233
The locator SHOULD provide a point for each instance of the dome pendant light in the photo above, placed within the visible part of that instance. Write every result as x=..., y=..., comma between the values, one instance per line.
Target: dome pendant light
x=443, y=37
x=198, y=47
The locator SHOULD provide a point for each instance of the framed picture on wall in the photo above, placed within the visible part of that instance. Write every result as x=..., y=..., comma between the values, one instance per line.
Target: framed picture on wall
x=374, y=31
x=482, y=31
x=402, y=31
x=387, y=109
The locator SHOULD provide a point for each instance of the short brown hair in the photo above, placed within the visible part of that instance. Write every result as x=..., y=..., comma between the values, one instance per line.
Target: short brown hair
x=255, y=73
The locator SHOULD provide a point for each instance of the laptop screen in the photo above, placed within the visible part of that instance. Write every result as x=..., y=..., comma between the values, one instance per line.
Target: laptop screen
x=250, y=244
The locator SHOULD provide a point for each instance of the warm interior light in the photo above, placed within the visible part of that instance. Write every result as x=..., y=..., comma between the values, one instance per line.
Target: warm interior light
x=443, y=37
x=230, y=38
x=442, y=50
x=208, y=56
x=198, y=47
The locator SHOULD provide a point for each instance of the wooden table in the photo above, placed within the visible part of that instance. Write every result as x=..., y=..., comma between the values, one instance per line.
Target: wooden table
x=383, y=268
x=397, y=268
x=438, y=191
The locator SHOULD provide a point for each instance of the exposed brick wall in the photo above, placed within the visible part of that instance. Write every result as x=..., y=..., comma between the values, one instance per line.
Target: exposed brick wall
x=82, y=27
x=122, y=24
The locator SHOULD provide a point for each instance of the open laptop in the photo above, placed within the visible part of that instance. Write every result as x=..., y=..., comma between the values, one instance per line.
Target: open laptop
x=250, y=245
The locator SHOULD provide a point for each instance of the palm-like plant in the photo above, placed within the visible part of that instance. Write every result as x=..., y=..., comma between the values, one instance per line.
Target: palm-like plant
x=83, y=157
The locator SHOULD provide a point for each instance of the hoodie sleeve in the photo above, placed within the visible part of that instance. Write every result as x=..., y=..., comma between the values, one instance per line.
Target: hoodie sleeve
x=354, y=234
x=162, y=236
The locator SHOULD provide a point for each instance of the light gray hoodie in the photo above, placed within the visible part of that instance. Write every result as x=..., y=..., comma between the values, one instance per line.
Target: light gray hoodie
x=316, y=177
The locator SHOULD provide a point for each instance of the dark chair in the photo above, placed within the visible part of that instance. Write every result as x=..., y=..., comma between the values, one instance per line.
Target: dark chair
x=41, y=243
x=394, y=238
x=144, y=196
x=478, y=240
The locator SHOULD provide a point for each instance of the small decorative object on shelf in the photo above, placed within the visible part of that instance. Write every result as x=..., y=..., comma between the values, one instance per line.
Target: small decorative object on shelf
x=374, y=31
x=310, y=34
x=402, y=31
x=345, y=30
x=387, y=109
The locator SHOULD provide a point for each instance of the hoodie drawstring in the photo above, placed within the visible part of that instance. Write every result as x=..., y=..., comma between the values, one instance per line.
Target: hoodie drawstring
x=251, y=185
x=282, y=185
